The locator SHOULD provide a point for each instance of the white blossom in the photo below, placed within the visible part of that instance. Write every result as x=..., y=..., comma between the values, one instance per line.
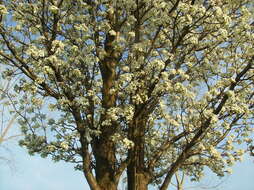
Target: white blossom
x=54, y=9
x=169, y=82
x=64, y=145
x=112, y=33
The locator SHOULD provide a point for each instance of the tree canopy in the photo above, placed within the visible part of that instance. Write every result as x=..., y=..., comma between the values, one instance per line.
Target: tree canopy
x=144, y=88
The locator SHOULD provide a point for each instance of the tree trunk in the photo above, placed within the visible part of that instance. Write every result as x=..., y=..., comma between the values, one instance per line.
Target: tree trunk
x=137, y=180
x=137, y=176
x=103, y=146
x=105, y=164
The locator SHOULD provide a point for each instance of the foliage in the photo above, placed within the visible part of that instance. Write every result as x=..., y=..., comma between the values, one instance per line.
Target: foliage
x=150, y=87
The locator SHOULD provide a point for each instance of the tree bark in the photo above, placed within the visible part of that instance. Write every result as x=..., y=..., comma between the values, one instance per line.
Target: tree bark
x=105, y=164
x=137, y=180
x=137, y=176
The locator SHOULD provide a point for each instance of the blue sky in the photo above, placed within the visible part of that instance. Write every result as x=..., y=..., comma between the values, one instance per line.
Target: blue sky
x=35, y=173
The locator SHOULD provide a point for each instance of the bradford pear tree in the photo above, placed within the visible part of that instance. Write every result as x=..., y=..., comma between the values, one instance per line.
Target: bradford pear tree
x=135, y=88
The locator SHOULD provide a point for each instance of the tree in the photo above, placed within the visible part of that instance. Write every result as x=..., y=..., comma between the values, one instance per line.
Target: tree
x=3, y=140
x=6, y=123
x=142, y=88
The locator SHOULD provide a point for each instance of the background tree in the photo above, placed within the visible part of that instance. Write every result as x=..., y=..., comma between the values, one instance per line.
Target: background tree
x=181, y=182
x=146, y=87
x=6, y=123
x=4, y=139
